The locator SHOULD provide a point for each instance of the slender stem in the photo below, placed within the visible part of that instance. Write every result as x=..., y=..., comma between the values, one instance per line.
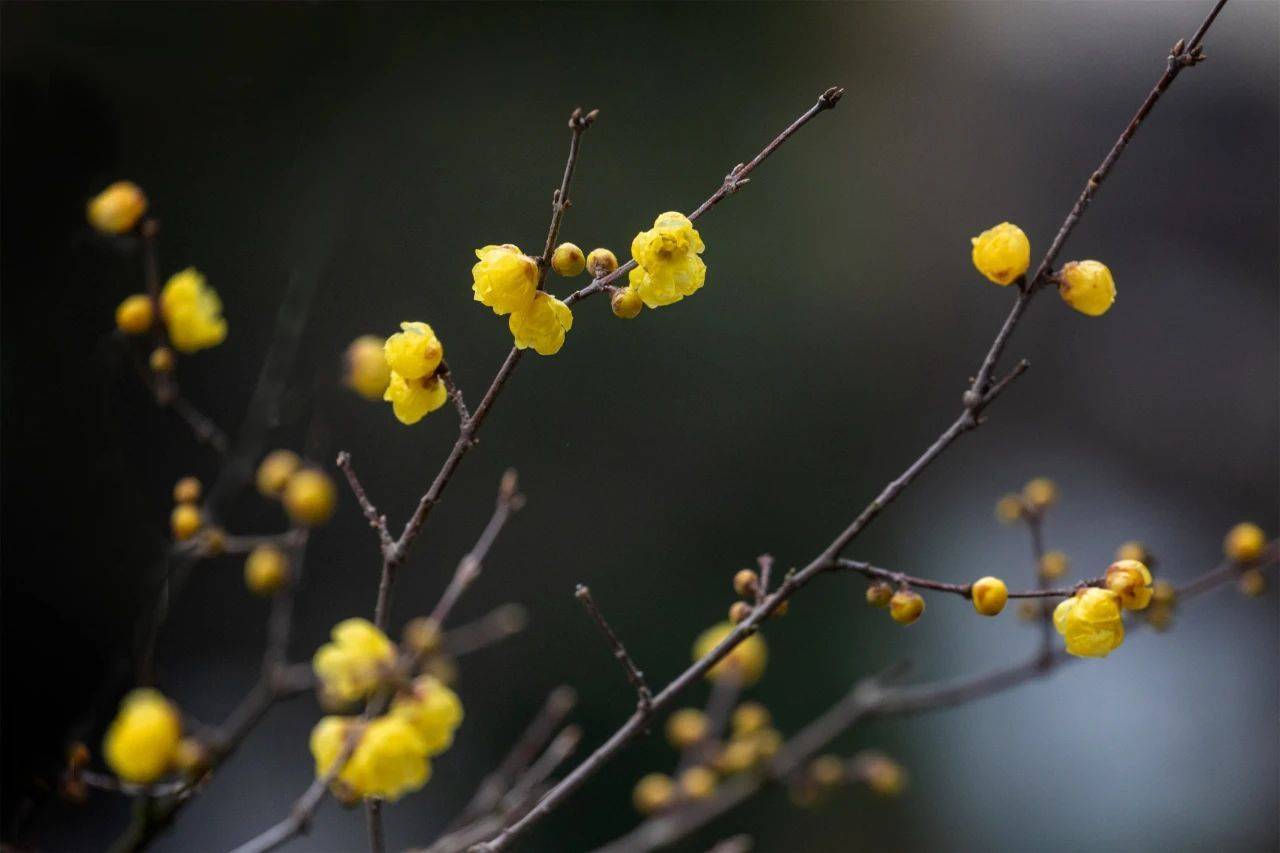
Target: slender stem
x=376, y=520
x=964, y=590
x=644, y=696
x=509, y=501
x=377, y=839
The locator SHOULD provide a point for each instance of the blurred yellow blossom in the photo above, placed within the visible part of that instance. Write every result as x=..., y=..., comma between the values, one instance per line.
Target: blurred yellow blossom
x=353, y=664
x=1090, y=622
x=542, y=325
x=192, y=312
x=1244, y=543
x=1002, y=253
x=142, y=741
x=365, y=367
x=134, y=315
x=432, y=709
x=309, y=497
x=389, y=759
x=117, y=209
x=745, y=662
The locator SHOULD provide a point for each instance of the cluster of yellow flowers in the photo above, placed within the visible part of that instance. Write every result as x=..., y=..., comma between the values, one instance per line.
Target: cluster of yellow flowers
x=1036, y=497
x=307, y=493
x=413, y=357
x=506, y=279
x=390, y=755
x=1003, y=254
x=746, y=583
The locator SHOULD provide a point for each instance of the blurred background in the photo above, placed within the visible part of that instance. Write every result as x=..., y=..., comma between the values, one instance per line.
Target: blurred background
x=371, y=148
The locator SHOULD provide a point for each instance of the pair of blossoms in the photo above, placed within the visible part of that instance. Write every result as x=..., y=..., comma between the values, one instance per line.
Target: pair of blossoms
x=390, y=755
x=668, y=268
x=1003, y=254
x=190, y=309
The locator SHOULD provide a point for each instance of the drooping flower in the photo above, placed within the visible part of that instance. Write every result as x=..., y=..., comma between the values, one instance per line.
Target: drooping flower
x=388, y=761
x=669, y=268
x=117, y=209
x=413, y=399
x=432, y=709
x=142, y=741
x=415, y=351
x=542, y=325
x=353, y=664
x=192, y=312
x=505, y=279
x=1090, y=622
x=1087, y=286
x=365, y=367
x=1002, y=253
x=1130, y=580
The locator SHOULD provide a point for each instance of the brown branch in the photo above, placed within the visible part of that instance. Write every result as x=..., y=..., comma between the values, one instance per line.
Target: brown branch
x=455, y=393
x=975, y=400
x=376, y=520
x=202, y=426
x=509, y=501
x=644, y=696
x=500, y=623
x=964, y=590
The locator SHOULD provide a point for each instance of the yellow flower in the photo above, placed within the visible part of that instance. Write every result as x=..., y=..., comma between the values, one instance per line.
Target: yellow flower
x=1162, y=592
x=309, y=497
x=134, y=314
x=989, y=595
x=274, y=472
x=567, y=260
x=1087, y=286
x=414, y=352
x=883, y=775
x=389, y=759
x=1090, y=623
x=185, y=521
x=161, y=360
x=504, y=279
x=1134, y=551
x=1040, y=493
x=686, y=727
x=749, y=718
x=1244, y=543
x=366, y=371
x=826, y=770
x=117, y=209
x=352, y=665
x=432, y=709
x=142, y=741
x=698, y=782
x=626, y=303
x=192, y=312
x=736, y=756
x=1130, y=580
x=191, y=757
x=905, y=606
x=1054, y=565
x=745, y=662
x=601, y=262
x=1002, y=253
x=413, y=399
x=542, y=325
x=1253, y=582
x=653, y=793
x=669, y=267
x=266, y=570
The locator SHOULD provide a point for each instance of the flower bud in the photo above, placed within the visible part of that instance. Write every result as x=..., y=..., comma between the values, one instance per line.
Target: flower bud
x=686, y=727
x=1009, y=509
x=1087, y=286
x=749, y=718
x=161, y=360
x=1090, y=623
x=214, y=541
x=135, y=314
x=737, y=756
x=1054, y=565
x=879, y=593
x=365, y=368
x=905, y=606
x=1130, y=580
x=601, y=262
x=698, y=782
x=186, y=491
x=1244, y=543
x=745, y=583
x=309, y=497
x=184, y=521
x=826, y=770
x=738, y=611
x=567, y=260
x=653, y=793
x=1253, y=583
x=1162, y=592
x=117, y=209
x=1159, y=615
x=422, y=635
x=1002, y=253
x=626, y=303
x=266, y=570
x=274, y=472
x=883, y=775
x=989, y=595
x=768, y=742
x=1040, y=493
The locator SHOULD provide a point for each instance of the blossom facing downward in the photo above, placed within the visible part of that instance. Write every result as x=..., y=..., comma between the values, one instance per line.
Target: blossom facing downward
x=192, y=312
x=1002, y=253
x=1040, y=493
x=433, y=710
x=542, y=325
x=989, y=595
x=626, y=303
x=1087, y=286
x=116, y=209
x=1244, y=543
x=352, y=664
x=389, y=759
x=365, y=368
x=653, y=793
x=414, y=352
x=746, y=662
x=905, y=606
x=505, y=279
x=1130, y=580
x=669, y=268
x=1090, y=622
x=413, y=399
x=134, y=315
x=142, y=741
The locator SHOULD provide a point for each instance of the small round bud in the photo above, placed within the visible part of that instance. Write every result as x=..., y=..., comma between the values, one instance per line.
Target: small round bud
x=443, y=669
x=422, y=635
x=905, y=607
x=826, y=770
x=567, y=260
x=1130, y=580
x=274, y=472
x=626, y=303
x=749, y=718
x=192, y=758
x=309, y=497
x=1159, y=616
x=266, y=570
x=737, y=756
x=738, y=611
x=686, y=727
x=1040, y=493
x=745, y=583
x=365, y=368
x=1162, y=592
x=1087, y=286
x=879, y=594
x=1009, y=509
x=883, y=775
x=161, y=360
x=989, y=595
x=187, y=490
x=1002, y=253
x=117, y=209
x=214, y=541
x=782, y=609
x=698, y=782
x=653, y=793
x=601, y=262
x=1253, y=583
x=1054, y=564
x=1134, y=551
x=184, y=521
x=135, y=314
x=1244, y=543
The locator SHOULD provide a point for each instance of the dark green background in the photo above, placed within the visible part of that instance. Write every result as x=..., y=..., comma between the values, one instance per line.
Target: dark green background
x=380, y=144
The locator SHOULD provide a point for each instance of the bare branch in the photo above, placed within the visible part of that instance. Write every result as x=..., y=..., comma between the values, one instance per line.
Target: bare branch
x=376, y=520
x=644, y=696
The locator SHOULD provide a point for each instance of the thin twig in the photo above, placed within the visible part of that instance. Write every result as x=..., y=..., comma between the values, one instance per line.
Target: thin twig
x=509, y=502
x=376, y=520
x=502, y=622
x=202, y=426
x=964, y=590
x=644, y=696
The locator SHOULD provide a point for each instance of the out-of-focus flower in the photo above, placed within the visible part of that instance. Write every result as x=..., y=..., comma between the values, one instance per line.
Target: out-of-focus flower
x=745, y=662
x=142, y=740
x=505, y=279
x=117, y=209
x=354, y=662
x=365, y=368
